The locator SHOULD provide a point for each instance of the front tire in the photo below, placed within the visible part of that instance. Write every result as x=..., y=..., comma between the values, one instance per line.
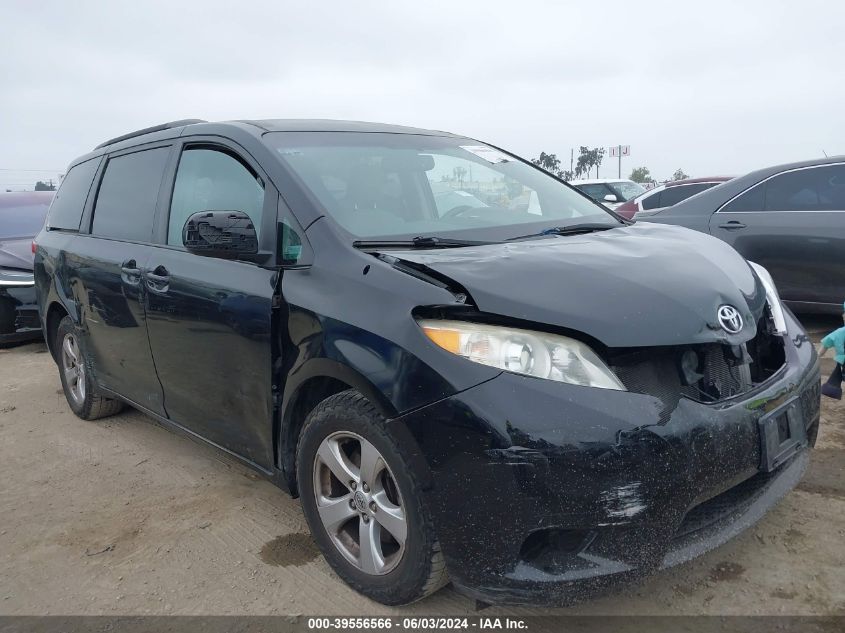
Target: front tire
x=77, y=384
x=363, y=504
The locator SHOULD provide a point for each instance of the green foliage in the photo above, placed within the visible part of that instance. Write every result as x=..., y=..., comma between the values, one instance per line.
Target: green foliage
x=679, y=174
x=549, y=162
x=587, y=159
x=640, y=174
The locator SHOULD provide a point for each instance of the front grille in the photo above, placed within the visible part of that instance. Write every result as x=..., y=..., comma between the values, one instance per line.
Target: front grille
x=723, y=505
x=27, y=319
x=718, y=372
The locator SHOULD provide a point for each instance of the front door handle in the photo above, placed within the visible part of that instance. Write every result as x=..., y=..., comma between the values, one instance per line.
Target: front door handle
x=732, y=225
x=158, y=280
x=130, y=273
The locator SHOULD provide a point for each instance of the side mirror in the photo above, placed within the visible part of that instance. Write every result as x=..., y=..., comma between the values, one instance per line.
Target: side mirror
x=611, y=198
x=223, y=234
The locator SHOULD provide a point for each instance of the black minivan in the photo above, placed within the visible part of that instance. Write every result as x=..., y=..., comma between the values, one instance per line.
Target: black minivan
x=466, y=369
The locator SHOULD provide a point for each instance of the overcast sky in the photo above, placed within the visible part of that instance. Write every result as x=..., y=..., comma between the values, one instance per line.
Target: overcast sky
x=711, y=87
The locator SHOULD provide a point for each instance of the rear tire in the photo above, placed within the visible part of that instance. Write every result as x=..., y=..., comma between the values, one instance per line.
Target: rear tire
x=358, y=534
x=80, y=390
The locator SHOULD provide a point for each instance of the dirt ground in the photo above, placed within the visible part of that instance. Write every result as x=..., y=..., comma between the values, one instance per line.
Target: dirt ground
x=124, y=517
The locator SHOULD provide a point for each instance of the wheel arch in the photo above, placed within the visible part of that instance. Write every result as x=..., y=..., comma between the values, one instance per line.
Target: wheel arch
x=315, y=381
x=56, y=311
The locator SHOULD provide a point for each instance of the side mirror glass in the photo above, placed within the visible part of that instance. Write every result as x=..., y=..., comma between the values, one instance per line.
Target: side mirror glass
x=610, y=198
x=223, y=234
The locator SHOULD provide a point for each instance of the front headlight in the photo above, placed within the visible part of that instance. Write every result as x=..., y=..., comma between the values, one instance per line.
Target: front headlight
x=772, y=297
x=523, y=352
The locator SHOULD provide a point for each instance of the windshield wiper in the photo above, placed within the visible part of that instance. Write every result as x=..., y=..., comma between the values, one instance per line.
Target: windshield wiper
x=571, y=229
x=431, y=241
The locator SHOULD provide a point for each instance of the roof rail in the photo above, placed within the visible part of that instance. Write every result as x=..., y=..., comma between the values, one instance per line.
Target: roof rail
x=149, y=130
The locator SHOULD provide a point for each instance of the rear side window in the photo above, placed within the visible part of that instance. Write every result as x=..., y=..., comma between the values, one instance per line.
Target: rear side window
x=652, y=201
x=673, y=195
x=814, y=189
x=128, y=193
x=212, y=180
x=809, y=189
x=66, y=210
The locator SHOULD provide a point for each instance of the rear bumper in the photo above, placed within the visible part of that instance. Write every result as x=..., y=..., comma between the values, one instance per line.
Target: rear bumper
x=19, y=320
x=545, y=493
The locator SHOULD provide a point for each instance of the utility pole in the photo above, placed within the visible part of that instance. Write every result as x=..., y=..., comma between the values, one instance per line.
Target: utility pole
x=572, y=162
x=620, y=163
x=619, y=151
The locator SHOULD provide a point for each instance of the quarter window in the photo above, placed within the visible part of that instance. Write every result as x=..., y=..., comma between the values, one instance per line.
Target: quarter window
x=213, y=180
x=751, y=200
x=66, y=209
x=126, y=202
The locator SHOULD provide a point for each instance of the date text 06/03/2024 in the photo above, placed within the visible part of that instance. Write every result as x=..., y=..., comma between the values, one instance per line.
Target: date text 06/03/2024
x=413, y=623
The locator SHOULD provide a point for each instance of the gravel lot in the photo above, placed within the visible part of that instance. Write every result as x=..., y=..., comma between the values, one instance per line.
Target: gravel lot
x=124, y=517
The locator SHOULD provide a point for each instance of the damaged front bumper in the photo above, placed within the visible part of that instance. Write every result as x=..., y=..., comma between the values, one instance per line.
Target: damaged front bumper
x=545, y=493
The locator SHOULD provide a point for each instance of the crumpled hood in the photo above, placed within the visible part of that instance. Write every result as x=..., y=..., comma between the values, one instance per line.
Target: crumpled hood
x=16, y=253
x=639, y=285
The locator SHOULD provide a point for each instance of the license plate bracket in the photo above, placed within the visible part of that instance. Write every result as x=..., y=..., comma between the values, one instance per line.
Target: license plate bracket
x=782, y=434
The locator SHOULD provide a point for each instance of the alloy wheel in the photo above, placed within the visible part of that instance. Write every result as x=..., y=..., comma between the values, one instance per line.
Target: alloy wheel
x=74, y=368
x=359, y=503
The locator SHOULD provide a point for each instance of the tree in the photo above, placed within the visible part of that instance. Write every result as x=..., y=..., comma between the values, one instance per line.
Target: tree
x=598, y=156
x=549, y=162
x=587, y=159
x=459, y=173
x=640, y=174
x=679, y=174
x=45, y=186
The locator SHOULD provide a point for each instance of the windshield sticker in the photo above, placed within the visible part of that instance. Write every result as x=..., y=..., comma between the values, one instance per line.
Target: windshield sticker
x=489, y=154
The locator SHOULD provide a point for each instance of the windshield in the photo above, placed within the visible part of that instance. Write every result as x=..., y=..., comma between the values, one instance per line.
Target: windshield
x=400, y=186
x=626, y=189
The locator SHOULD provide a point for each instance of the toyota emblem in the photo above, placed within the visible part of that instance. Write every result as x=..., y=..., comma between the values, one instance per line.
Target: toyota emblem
x=729, y=319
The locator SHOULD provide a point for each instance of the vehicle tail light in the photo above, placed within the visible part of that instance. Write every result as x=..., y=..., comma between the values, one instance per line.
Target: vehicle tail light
x=33, y=247
x=627, y=210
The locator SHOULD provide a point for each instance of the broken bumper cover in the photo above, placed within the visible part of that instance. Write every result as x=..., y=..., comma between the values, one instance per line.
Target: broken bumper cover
x=546, y=493
x=18, y=314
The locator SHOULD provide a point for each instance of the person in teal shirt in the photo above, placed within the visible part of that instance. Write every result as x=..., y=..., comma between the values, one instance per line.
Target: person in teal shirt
x=835, y=341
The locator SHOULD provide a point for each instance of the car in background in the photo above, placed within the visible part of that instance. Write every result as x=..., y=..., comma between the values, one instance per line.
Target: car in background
x=789, y=218
x=21, y=218
x=668, y=194
x=608, y=191
x=448, y=201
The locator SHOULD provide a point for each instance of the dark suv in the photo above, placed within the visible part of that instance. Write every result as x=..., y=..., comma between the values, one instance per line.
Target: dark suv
x=508, y=387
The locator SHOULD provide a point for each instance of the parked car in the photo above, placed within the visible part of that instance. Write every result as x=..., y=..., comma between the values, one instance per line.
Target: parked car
x=789, y=218
x=609, y=192
x=534, y=403
x=21, y=217
x=667, y=194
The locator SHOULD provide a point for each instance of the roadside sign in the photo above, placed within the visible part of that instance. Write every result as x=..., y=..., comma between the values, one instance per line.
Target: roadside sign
x=620, y=151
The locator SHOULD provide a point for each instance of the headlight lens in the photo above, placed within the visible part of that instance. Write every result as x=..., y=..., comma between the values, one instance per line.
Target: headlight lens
x=523, y=352
x=772, y=296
